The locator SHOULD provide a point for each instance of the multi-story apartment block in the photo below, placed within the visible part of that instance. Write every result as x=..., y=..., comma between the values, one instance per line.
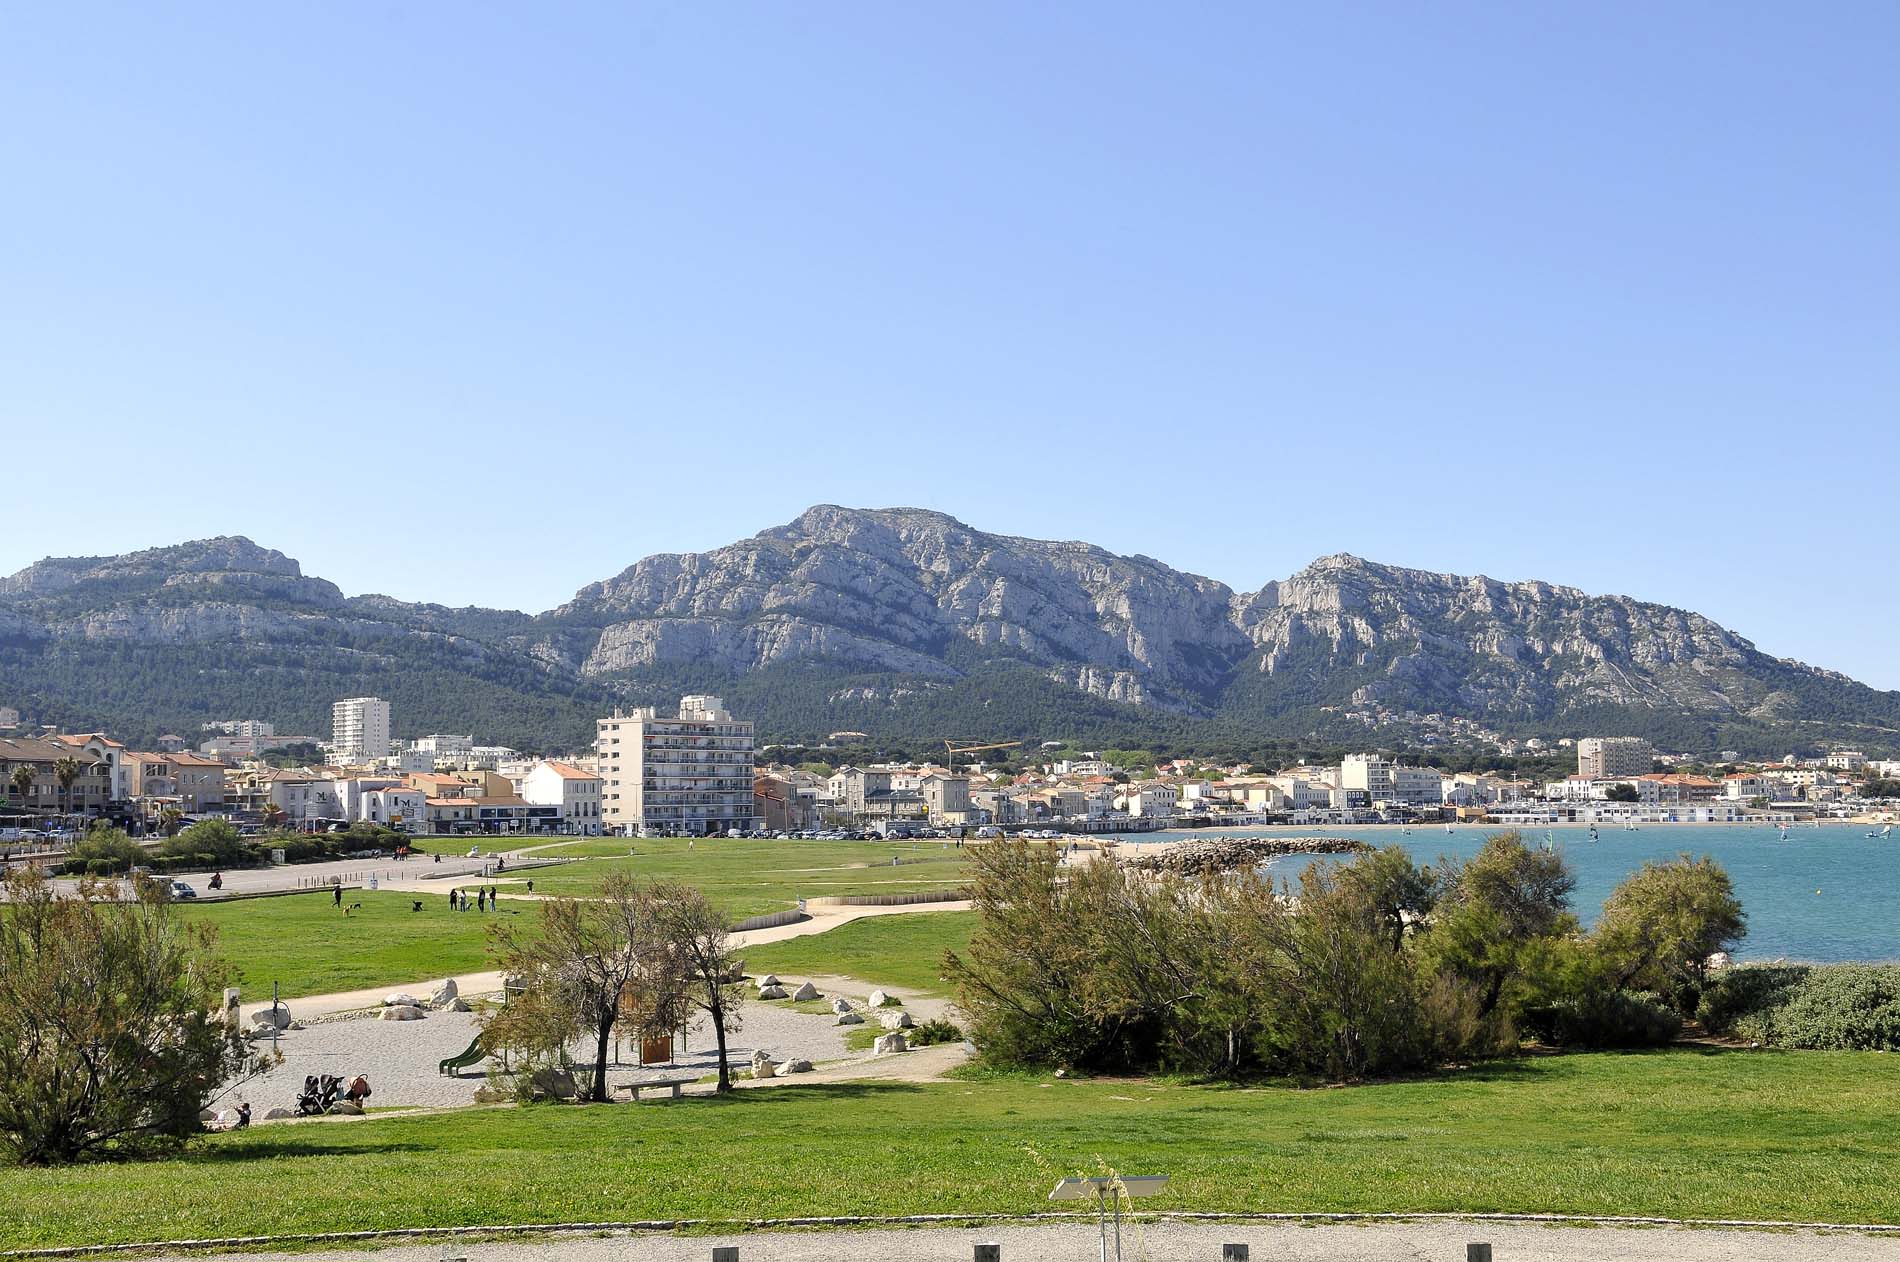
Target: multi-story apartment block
x=688, y=773
x=947, y=798
x=359, y=729
x=1613, y=757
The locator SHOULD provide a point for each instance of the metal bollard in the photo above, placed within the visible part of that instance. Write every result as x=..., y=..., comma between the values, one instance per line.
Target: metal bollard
x=1475, y=1252
x=1233, y=1253
x=725, y=1253
x=989, y=1253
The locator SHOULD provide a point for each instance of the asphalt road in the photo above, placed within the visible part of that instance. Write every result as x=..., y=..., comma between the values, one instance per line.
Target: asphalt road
x=1433, y=1241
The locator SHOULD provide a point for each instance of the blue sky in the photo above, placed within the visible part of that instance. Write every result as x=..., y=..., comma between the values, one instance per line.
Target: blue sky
x=479, y=303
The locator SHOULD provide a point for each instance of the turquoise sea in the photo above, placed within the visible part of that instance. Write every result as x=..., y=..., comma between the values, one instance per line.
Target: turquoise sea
x=1825, y=894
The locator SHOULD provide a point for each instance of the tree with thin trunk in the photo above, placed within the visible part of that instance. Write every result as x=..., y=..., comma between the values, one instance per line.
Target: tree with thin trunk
x=699, y=942
x=67, y=771
x=582, y=966
x=23, y=779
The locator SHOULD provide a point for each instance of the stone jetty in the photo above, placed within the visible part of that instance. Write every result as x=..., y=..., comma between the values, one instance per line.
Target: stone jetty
x=1224, y=854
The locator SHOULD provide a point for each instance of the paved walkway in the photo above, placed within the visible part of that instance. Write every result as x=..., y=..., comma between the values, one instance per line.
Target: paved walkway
x=307, y=1006
x=1430, y=1241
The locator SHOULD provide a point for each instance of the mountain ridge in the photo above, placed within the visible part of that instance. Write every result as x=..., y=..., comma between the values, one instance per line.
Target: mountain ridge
x=847, y=608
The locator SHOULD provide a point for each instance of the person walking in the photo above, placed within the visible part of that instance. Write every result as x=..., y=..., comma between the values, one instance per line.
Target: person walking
x=336, y=896
x=481, y=899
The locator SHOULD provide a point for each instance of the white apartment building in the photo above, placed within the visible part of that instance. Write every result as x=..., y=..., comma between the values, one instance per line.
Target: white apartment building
x=1385, y=781
x=1846, y=760
x=359, y=729
x=575, y=792
x=1614, y=757
x=1371, y=773
x=444, y=747
x=1150, y=800
x=688, y=773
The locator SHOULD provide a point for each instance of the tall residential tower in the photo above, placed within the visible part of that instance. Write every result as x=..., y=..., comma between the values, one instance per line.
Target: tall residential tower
x=359, y=729
x=687, y=774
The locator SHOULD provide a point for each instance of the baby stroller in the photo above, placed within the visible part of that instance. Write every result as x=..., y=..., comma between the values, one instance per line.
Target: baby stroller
x=319, y=1093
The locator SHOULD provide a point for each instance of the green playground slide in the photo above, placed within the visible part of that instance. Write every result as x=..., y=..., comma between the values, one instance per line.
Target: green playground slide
x=468, y=1056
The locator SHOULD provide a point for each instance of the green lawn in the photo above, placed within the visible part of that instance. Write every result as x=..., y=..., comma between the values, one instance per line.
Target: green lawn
x=1799, y=1135
x=901, y=952
x=750, y=877
x=310, y=947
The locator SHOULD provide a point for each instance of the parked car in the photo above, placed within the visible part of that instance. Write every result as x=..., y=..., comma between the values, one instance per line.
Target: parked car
x=181, y=890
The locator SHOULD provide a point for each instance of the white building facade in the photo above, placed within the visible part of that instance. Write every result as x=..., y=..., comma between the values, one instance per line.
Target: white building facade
x=689, y=773
x=359, y=729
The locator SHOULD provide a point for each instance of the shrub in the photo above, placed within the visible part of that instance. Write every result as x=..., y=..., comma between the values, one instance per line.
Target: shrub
x=211, y=842
x=1606, y=1018
x=112, y=1036
x=936, y=1031
x=1849, y=1007
x=108, y=851
x=1750, y=991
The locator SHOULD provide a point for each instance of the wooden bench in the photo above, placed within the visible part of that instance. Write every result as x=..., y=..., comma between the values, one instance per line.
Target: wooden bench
x=633, y=1089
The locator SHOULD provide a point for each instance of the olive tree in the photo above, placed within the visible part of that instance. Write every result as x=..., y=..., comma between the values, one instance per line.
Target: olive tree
x=582, y=967
x=698, y=946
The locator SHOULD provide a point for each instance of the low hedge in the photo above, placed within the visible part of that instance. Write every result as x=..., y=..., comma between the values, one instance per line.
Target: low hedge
x=1834, y=1007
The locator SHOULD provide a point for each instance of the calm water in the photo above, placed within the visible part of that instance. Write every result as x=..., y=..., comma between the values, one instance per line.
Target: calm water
x=1825, y=894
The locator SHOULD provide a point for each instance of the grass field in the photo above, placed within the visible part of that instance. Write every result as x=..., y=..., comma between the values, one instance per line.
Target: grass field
x=748, y=878
x=901, y=951
x=1802, y=1135
x=309, y=947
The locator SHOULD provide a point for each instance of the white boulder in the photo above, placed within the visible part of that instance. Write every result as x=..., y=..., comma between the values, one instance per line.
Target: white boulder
x=879, y=999
x=277, y=1015
x=402, y=1012
x=401, y=1000
x=841, y=1004
x=888, y=1043
x=796, y=1065
x=771, y=992
x=770, y=979
x=763, y=1066
x=457, y=1004
x=898, y=1020
x=807, y=991
x=445, y=994
x=849, y=1018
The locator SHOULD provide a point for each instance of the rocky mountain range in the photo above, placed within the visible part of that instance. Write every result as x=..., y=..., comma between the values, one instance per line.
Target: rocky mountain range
x=908, y=623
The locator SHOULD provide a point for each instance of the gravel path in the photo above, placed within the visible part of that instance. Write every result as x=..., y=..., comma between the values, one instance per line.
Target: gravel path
x=400, y=1057
x=1435, y=1241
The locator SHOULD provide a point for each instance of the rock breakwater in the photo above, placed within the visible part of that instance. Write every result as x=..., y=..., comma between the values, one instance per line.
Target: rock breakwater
x=1225, y=854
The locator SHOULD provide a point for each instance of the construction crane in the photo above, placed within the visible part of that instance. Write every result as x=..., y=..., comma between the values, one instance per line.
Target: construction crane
x=950, y=751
